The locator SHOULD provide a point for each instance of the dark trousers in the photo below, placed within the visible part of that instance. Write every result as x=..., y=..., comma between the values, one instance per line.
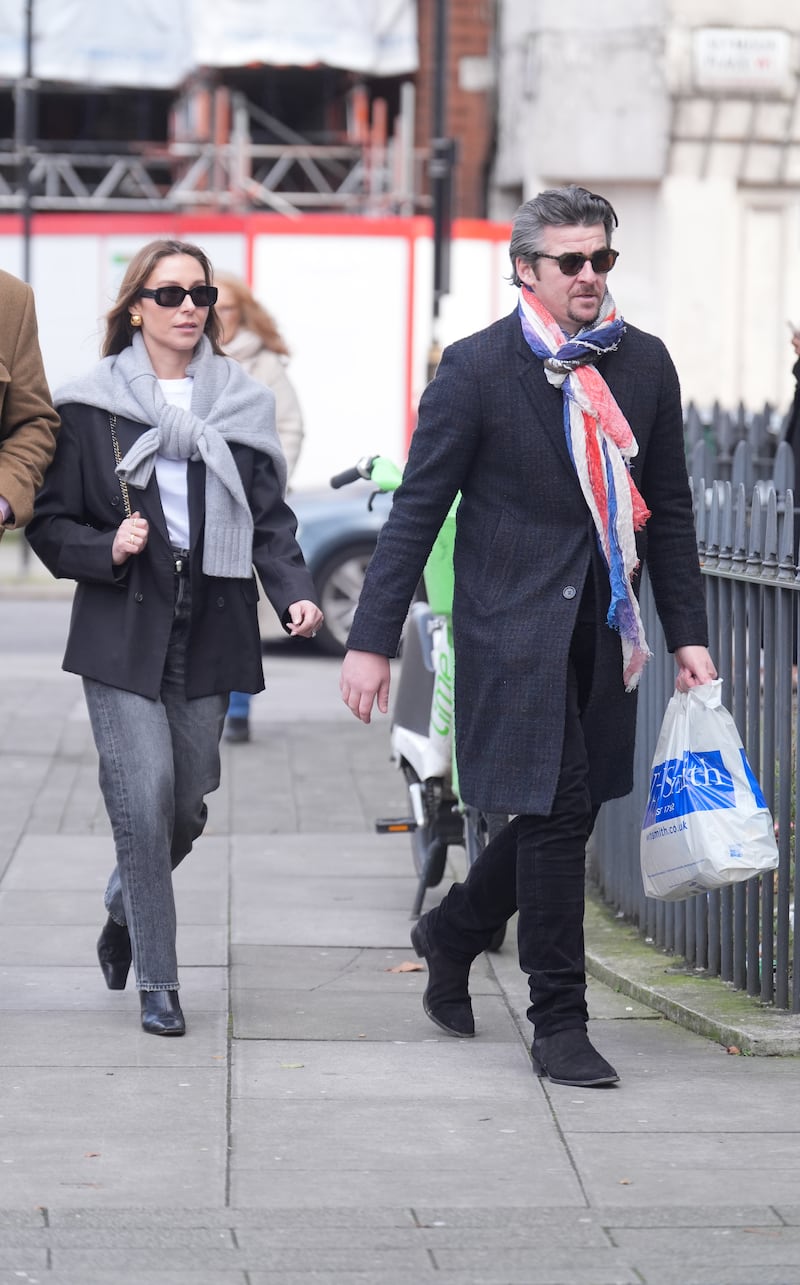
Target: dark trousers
x=536, y=865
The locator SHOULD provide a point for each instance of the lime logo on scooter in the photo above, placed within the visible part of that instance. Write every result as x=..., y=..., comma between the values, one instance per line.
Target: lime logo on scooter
x=443, y=694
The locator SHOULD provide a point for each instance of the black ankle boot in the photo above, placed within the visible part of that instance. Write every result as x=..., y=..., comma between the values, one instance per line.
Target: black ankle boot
x=446, y=999
x=568, y=1057
x=161, y=1013
x=114, y=954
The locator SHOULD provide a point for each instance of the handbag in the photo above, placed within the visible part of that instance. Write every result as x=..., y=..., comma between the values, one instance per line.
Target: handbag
x=707, y=823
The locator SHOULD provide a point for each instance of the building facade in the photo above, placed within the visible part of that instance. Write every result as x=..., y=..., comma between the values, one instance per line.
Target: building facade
x=686, y=115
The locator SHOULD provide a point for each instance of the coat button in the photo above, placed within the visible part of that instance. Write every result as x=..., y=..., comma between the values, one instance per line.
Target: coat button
x=139, y=597
x=115, y=500
x=569, y=591
x=220, y=602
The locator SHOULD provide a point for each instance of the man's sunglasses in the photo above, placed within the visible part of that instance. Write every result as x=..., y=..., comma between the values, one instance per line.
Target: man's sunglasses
x=572, y=262
x=173, y=296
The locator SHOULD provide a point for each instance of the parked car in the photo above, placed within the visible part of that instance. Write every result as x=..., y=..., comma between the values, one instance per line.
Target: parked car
x=337, y=531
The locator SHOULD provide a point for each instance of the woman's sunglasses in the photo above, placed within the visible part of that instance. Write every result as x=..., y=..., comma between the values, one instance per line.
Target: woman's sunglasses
x=173, y=296
x=572, y=262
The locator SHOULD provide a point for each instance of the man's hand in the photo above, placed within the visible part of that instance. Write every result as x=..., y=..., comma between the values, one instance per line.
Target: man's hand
x=695, y=667
x=365, y=677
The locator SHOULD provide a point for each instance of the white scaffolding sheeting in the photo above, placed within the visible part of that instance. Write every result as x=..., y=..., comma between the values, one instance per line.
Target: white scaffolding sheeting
x=150, y=44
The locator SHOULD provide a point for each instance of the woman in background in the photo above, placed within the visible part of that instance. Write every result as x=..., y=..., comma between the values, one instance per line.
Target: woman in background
x=165, y=491
x=251, y=336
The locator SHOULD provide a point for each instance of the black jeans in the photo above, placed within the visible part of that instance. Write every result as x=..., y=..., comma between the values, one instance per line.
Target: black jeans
x=537, y=865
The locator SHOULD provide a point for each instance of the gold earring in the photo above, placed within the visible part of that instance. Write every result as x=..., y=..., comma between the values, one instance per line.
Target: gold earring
x=136, y=320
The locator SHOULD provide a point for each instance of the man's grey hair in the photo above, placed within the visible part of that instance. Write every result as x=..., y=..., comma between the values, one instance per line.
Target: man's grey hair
x=556, y=207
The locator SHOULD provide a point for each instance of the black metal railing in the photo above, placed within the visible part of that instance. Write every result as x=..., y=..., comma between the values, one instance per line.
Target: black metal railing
x=745, y=934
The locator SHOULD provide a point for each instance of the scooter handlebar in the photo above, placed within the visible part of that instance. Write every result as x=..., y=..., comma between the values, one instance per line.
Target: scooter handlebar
x=385, y=475
x=362, y=469
x=344, y=479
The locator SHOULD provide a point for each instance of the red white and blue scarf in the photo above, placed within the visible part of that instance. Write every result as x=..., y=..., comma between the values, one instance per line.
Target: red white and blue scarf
x=601, y=446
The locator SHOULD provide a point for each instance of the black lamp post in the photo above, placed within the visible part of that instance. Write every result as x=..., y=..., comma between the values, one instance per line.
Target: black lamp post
x=24, y=117
x=440, y=172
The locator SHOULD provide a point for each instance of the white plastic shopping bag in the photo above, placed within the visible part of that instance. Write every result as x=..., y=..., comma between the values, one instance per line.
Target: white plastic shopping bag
x=707, y=823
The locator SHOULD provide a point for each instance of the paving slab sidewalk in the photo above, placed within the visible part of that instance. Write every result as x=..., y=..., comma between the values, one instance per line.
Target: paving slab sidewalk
x=313, y=1125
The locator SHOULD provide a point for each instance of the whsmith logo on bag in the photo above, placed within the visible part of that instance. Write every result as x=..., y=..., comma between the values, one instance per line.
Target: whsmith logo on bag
x=693, y=783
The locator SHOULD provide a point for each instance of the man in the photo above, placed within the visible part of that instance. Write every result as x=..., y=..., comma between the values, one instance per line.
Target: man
x=562, y=428
x=792, y=425
x=28, y=422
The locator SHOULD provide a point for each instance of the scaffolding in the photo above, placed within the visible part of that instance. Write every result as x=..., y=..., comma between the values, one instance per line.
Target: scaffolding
x=372, y=172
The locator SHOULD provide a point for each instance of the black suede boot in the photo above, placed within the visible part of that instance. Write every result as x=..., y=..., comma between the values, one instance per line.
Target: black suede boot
x=568, y=1057
x=114, y=954
x=446, y=1000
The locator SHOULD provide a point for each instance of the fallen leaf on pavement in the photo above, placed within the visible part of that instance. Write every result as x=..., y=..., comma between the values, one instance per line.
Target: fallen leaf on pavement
x=733, y=1050
x=407, y=966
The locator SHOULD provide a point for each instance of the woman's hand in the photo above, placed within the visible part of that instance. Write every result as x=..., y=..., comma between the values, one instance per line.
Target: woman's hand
x=305, y=619
x=131, y=538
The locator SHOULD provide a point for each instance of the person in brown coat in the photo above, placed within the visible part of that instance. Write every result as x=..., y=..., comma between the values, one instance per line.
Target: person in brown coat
x=28, y=422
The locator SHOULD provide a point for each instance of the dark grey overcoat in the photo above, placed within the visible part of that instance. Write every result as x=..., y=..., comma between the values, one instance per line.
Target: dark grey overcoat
x=491, y=426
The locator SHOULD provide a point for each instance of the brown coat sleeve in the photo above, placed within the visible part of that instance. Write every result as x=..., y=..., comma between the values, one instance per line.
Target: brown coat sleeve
x=28, y=422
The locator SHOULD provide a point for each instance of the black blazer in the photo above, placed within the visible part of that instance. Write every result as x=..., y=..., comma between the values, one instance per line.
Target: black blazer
x=491, y=426
x=122, y=616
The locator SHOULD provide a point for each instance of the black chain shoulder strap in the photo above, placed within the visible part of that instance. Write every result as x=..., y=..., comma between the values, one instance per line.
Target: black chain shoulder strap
x=123, y=486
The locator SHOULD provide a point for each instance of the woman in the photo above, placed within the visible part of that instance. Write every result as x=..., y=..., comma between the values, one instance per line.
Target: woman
x=251, y=336
x=166, y=487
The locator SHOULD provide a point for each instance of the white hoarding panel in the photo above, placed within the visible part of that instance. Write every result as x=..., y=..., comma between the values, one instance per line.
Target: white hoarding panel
x=341, y=304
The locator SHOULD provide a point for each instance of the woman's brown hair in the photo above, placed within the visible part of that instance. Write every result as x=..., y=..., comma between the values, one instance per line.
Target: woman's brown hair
x=119, y=331
x=252, y=316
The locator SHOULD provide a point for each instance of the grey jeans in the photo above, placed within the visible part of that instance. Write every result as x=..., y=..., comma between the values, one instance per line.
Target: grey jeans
x=158, y=759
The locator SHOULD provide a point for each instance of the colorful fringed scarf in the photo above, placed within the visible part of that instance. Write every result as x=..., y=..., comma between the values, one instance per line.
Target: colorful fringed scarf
x=601, y=444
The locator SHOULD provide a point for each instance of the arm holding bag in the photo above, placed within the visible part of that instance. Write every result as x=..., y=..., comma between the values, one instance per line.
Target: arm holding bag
x=707, y=823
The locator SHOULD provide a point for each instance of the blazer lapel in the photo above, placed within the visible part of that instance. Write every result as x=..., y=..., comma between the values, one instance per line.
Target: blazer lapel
x=196, y=479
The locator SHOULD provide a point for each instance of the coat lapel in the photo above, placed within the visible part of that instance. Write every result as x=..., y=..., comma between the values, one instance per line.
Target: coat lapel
x=546, y=403
x=621, y=379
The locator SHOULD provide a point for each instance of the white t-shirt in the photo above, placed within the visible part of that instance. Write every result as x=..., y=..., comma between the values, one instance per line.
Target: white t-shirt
x=171, y=473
